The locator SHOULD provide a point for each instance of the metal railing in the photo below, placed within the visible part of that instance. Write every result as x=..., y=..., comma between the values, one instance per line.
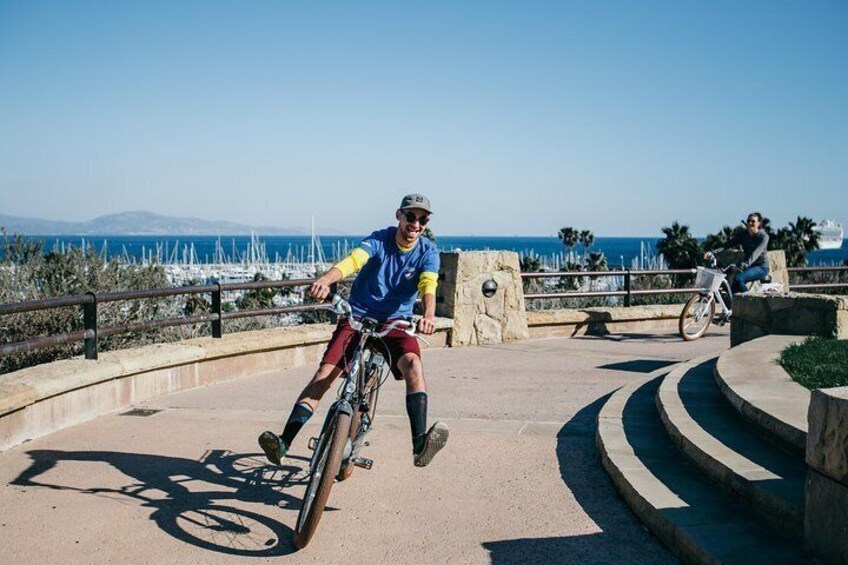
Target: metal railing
x=216, y=315
x=92, y=331
x=628, y=292
x=811, y=286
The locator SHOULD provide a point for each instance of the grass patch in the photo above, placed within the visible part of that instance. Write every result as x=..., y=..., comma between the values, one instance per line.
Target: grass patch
x=817, y=362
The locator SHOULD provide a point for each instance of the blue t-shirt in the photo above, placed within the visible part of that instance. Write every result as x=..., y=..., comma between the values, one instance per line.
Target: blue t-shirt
x=387, y=285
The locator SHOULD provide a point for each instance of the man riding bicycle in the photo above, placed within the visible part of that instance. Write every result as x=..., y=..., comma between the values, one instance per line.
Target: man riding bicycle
x=395, y=265
x=754, y=242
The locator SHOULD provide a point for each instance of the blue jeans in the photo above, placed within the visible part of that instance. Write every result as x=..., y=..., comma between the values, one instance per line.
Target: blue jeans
x=741, y=280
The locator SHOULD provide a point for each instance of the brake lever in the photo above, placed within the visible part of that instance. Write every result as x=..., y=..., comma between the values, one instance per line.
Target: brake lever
x=412, y=333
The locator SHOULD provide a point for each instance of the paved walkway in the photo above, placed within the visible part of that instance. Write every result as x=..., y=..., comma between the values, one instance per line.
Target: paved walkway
x=519, y=482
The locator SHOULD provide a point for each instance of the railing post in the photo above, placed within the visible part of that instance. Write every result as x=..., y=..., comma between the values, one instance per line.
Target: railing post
x=627, y=282
x=89, y=322
x=217, y=322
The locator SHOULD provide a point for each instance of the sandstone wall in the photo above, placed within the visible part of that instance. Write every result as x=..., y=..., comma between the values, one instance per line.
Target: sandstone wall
x=826, y=508
x=756, y=314
x=478, y=320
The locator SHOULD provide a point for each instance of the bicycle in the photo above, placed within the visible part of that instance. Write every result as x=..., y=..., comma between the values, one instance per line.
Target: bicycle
x=349, y=419
x=700, y=310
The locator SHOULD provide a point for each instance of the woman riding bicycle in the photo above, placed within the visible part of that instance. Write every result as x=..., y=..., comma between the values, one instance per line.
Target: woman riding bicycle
x=754, y=242
x=395, y=265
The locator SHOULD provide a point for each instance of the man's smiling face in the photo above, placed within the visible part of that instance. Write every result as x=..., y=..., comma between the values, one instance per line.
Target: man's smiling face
x=412, y=222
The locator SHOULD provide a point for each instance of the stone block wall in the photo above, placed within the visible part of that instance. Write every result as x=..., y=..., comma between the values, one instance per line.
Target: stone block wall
x=756, y=314
x=826, y=505
x=478, y=320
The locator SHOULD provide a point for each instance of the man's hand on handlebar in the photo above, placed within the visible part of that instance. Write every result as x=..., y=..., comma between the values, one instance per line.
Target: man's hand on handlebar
x=427, y=326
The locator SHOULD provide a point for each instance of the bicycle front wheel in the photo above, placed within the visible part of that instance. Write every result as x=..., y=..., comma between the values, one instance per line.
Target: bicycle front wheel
x=373, y=380
x=696, y=316
x=328, y=455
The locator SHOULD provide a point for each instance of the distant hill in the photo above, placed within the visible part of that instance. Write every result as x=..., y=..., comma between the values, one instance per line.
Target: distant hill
x=142, y=223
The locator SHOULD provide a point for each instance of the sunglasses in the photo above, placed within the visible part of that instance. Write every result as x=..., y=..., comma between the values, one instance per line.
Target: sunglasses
x=752, y=221
x=411, y=217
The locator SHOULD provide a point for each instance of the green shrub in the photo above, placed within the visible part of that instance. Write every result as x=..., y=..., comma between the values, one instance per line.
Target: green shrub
x=28, y=273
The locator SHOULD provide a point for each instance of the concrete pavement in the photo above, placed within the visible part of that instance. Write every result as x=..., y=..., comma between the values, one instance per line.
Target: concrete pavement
x=519, y=482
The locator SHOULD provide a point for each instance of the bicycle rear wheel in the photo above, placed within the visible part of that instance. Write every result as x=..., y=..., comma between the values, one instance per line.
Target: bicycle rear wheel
x=696, y=316
x=328, y=459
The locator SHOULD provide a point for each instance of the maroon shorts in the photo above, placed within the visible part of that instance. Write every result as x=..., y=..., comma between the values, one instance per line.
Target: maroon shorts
x=343, y=344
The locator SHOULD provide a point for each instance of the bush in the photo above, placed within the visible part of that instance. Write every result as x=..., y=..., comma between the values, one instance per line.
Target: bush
x=27, y=273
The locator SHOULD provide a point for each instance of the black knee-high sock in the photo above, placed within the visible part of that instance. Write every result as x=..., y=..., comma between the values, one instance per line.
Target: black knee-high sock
x=416, y=408
x=300, y=414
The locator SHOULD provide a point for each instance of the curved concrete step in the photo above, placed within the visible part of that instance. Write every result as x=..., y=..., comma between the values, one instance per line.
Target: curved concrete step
x=697, y=521
x=750, y=377
x=708, y=430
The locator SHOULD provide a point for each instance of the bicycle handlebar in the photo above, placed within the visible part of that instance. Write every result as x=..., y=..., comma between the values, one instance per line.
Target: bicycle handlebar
x=342, y=307
x=710, y=256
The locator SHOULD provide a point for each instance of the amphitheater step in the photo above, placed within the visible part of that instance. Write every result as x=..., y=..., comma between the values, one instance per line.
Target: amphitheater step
x=695, y=519
x=757, y=387
x=722, y=445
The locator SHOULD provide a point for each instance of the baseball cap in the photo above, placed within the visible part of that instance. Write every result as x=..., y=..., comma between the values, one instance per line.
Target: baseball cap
x=416, y=200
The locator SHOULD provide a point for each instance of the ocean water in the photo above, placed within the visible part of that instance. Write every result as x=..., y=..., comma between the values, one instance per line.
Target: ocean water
x=206, y=249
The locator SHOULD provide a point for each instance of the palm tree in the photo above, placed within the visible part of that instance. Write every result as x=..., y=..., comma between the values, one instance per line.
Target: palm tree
x=722, y=237
x=587, y=238
x=569, y=237
x=766, y=226
x=797, y=239
x=680, y=248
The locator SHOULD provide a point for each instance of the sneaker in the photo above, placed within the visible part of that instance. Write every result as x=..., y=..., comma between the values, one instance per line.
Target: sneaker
x=434, y=440
x=273, y=447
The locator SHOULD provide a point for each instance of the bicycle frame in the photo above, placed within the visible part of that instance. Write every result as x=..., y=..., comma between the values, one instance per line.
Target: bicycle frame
x=716, y=294
x=334, y=451
x=354, y=392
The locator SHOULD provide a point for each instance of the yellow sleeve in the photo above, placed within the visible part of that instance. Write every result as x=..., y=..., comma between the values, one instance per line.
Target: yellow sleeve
x=427, y=283
x=353, y=262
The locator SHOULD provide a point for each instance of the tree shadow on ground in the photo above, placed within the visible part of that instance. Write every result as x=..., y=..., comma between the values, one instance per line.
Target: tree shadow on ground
x=638, y=365
x=187, y=495
x=634, y=336
x=621, y=538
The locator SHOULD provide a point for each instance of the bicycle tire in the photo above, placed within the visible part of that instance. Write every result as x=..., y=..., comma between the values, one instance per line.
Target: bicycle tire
x=688, y=312
x=347, y=467
x=321, y=483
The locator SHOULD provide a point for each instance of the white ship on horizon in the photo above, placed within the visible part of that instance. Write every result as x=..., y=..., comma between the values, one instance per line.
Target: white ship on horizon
x=830, y=234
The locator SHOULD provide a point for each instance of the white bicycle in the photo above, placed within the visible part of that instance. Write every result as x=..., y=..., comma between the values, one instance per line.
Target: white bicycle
x=700, y=310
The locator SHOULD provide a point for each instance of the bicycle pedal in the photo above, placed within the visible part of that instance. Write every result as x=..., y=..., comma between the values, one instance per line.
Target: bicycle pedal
x=364, y=463
x=313, y=443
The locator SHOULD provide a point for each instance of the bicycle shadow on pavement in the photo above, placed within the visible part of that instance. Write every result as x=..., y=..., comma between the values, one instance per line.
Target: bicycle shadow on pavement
x=187, y=505
x=621, y=538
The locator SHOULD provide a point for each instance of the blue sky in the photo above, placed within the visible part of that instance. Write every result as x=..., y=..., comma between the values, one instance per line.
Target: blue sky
x=514, y=117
